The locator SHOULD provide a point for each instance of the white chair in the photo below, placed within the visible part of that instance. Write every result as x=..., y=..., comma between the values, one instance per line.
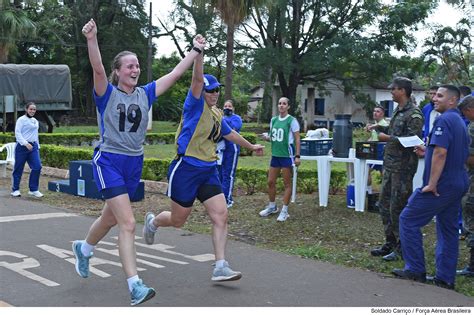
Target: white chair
x=10, y=147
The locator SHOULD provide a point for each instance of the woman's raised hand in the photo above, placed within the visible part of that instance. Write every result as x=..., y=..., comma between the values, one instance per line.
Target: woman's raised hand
x=90, y=29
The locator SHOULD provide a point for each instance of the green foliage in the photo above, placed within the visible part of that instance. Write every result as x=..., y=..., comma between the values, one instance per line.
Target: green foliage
x=58, y=156
x=450, y=49
x=155, y=169
x=312, y=252
x=14, y=24
x=331, y=41
x=7, y=137
x=252, y=179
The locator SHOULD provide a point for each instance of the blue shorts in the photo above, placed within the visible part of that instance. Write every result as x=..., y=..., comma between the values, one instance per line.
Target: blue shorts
x=186, y=182
x=280, y=162
x=116, y=174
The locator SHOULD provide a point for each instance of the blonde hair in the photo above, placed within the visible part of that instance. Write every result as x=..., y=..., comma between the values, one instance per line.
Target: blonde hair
x=116, y=64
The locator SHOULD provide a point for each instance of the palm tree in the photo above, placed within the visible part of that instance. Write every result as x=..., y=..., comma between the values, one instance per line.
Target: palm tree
x=14, y=24
x=232, y=12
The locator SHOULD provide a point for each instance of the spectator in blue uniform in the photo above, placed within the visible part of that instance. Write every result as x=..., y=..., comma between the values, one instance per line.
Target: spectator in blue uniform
x=429, y=113
x=445, y=181
x=231, y=153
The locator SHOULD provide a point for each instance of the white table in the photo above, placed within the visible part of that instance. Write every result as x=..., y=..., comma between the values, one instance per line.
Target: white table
x=324, y=177
x=361, y=170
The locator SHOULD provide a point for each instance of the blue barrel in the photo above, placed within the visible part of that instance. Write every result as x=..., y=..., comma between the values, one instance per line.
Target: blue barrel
x=342, y=136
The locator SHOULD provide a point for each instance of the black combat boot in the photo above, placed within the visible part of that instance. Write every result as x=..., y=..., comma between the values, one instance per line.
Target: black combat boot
x=385, y=249
x=468, y=271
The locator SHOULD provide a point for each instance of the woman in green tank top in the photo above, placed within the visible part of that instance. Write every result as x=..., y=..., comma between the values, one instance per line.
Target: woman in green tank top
x=285, y=139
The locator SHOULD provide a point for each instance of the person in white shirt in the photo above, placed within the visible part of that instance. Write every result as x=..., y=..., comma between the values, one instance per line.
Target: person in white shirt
x=27, y=150
x=379, y=117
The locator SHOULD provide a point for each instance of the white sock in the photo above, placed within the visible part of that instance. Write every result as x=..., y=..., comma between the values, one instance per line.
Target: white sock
x=131, y=281
x=272, y=204
x=220, y=263
x=284, y=208
x=151, y=226
x=87, y=248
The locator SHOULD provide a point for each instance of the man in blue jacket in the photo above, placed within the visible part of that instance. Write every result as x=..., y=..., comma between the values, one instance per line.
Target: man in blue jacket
x=445, y=181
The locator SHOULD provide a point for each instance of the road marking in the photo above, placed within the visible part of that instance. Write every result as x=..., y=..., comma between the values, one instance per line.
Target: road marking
x=68, y=256
x=166, y=249
x=39, y=216
x=27, y=263
x=179, y=262
x=115, y=252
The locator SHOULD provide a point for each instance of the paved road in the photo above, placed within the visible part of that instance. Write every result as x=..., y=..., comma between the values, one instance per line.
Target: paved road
x=36, y=269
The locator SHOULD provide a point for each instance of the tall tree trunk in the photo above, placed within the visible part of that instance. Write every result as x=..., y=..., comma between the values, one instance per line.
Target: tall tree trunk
x=229, y=61
x=3, y=53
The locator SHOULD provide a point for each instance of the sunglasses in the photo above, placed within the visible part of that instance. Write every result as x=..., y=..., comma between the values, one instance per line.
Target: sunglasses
x=214, y=90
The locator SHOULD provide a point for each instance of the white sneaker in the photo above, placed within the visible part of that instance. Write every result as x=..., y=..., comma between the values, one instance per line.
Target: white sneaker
x=148, y=235
x=283, y=216
x=267, y=211
x=16, y=193
x=36, y=194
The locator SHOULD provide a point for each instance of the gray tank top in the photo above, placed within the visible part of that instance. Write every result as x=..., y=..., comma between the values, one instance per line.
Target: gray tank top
x=123, y=120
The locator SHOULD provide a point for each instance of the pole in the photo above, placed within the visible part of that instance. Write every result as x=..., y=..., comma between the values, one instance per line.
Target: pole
x=149, y=65
x=293, y=190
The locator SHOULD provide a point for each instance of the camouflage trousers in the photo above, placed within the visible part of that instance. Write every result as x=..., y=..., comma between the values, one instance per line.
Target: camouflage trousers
x=396, y=189
x=468, y=218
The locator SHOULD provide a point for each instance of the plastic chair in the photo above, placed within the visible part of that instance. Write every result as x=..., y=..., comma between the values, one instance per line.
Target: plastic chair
x=10, y=147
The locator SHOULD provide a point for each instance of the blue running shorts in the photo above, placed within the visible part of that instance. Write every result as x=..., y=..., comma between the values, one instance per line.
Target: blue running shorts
x=186, y=182
x=116, y=174
x=280, y=162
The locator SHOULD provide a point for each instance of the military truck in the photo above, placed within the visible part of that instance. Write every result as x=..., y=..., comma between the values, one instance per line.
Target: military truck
x=49, y=86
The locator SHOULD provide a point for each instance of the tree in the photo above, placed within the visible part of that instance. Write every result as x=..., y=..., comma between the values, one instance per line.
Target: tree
x=315, y=41
x=14, y=24
x=197, y=17
x=451, y=49
x=232, y=12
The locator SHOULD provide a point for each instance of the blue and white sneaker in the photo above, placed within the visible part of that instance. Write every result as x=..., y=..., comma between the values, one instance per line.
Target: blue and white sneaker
x=82, y=262
x=225, y=274
x=140, y=293
x=148, y=234
x=267, y=211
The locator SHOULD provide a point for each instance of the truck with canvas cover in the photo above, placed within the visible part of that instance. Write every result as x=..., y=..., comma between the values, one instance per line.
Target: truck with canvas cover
x=49, y=86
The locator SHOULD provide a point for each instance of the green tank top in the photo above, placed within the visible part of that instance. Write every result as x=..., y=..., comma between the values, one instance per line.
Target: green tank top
x=280, y=136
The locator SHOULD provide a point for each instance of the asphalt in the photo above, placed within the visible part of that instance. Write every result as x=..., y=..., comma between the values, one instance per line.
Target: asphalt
x=36, y=269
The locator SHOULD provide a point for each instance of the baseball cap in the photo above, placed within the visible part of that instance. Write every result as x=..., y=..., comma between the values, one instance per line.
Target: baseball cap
x=210, y=82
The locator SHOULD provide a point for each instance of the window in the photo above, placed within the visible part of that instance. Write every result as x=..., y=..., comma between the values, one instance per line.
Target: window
x=319, y=106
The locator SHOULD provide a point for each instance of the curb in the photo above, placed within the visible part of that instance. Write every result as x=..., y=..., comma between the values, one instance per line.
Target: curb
x=151, y=186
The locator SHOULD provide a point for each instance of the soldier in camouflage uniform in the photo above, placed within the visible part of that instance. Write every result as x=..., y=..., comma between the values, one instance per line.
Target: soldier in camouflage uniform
x=399, y=166
x=467, y=108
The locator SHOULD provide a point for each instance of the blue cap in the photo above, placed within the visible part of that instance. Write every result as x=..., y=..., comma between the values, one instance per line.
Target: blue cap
x=210, y=82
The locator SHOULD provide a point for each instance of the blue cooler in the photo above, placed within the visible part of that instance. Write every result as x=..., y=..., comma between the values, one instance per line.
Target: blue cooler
x=350, y=195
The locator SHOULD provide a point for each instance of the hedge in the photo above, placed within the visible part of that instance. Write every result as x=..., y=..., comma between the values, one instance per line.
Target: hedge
x=249, y=178
x=89, y=139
